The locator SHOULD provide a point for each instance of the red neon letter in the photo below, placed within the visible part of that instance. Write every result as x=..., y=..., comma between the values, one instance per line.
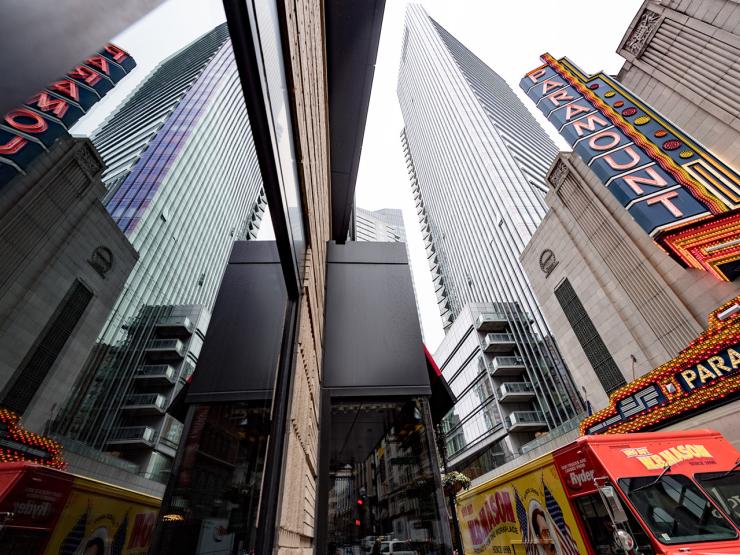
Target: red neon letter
x=118, y=53
x=13, y=146
x=66, y=87
x=556, y=97
x=613, y=137
x=98, y=62
x=47, y=103
x=664, y=199
x=655, y=179
x=589, y=123
x=39, y=124
x=634, y=160
x=86, y=74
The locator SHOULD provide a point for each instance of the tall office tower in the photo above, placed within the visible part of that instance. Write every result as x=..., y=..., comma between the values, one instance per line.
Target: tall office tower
x=379, y=225
x=183, y=184
x=477, y=161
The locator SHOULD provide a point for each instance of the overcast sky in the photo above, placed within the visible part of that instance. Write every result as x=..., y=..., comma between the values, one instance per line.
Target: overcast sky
x=507, y=35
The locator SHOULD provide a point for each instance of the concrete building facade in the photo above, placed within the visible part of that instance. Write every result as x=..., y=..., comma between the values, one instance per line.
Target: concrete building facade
x=500, y=400
x=64, y=264
x=379, y=225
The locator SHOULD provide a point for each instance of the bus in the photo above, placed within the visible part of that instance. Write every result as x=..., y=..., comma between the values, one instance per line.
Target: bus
x=44, y=511
x=657, y=493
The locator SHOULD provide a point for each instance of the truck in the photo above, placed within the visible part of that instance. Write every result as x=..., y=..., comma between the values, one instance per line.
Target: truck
x=44, y=511
x=655, y=493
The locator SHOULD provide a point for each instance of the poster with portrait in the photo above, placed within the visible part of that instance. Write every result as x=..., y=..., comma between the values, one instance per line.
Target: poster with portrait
x=525, y=515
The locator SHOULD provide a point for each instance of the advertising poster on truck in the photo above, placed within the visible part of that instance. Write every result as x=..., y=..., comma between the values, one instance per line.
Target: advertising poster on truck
x=96, y=522
x=527, y=513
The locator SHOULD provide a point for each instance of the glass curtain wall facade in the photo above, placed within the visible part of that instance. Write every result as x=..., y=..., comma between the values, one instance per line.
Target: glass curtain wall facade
x=477, y=161
x=183, y=184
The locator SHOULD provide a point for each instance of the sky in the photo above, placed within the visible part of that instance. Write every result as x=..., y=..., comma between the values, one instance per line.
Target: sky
x=507, y=35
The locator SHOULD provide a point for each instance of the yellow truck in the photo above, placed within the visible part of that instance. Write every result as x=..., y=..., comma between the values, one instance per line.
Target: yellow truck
x=44, y=511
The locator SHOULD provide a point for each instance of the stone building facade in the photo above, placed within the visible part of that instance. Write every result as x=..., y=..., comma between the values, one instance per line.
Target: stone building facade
x=64, y=264
x=306, y=45
x=681, y=57
x=643, y=305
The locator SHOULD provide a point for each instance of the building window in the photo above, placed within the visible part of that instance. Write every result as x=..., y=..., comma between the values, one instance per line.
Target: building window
x=38, y=362
x=596, y=352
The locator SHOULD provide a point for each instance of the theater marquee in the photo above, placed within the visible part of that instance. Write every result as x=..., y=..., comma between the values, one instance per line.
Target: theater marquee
x=706, y=373
x=677, y=191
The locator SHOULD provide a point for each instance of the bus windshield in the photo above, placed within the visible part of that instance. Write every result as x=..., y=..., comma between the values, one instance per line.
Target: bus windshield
x=676, y=510
x=724, y=489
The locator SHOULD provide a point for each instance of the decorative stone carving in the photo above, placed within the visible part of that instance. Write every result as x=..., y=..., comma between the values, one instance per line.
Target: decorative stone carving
x=548, y=262
x=558, y=174
x=101, y=260
x=88, y=161
x=637, y=41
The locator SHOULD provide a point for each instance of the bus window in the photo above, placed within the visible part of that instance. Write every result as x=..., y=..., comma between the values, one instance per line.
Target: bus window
x=600, y=531
x=724, y=489
x=675, y=510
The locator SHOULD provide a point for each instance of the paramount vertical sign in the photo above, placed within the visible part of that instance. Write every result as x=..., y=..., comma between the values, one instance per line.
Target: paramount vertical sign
x=678, y=192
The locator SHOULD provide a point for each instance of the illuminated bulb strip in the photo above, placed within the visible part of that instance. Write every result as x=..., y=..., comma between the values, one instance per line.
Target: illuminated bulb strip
x=723, y=332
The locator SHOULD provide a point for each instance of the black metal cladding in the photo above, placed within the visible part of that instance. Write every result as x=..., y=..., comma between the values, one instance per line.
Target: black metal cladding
x=588, y=336
x=373, y=344
x=242, y=346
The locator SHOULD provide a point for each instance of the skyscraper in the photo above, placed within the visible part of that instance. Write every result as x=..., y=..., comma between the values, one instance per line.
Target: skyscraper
x=183, y=184
x=379, y=225
x=477, y=160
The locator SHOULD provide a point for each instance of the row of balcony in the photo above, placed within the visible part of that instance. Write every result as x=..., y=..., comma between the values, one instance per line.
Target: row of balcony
x=134, y=435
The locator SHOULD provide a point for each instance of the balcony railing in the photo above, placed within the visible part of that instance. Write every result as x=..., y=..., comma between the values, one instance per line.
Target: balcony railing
x=134, y=434
x=161, y=373
x=516, y=391
x=507, y=366
x=491, y=321
x=526, y=420
x=146, y=402
x=499, y=342
x=177, y=324
x=166, y=347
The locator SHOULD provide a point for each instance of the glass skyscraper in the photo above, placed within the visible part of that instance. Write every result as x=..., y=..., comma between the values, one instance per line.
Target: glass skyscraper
x=183, y=184
x=477, y=161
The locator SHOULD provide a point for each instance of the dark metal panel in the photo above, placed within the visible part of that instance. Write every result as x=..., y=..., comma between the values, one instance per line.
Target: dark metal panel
x=352, y=36
x=373, y=344
x=242, y=345
x=367, y=252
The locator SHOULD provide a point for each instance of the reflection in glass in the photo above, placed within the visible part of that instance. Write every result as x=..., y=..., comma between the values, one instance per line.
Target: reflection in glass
x=382, y=491
x=212, y=507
